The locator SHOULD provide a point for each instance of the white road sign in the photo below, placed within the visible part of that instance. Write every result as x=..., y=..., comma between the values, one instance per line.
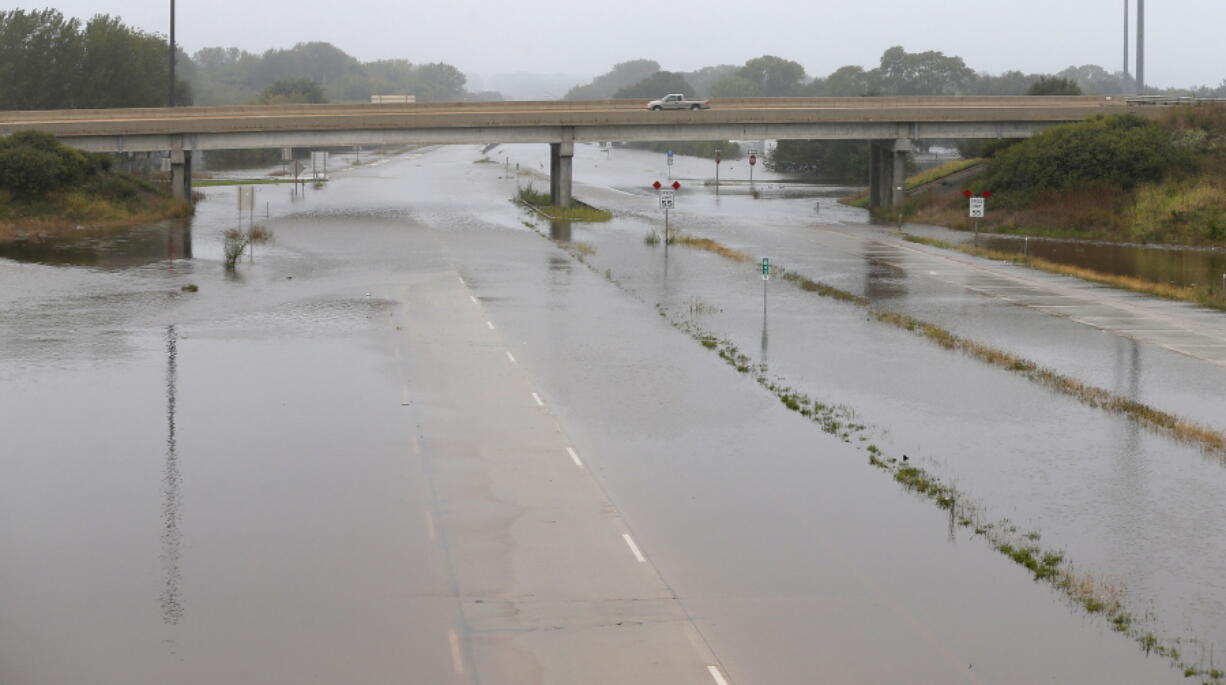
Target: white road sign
x=977, y=206
x=668, y=199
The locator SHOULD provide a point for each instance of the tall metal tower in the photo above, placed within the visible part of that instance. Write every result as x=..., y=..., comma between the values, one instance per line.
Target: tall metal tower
x=1140, y=47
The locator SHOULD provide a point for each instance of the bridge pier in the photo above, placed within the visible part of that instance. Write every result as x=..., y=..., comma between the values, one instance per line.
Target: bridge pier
x=887, y=172
x=561, y=164
x=180, y=171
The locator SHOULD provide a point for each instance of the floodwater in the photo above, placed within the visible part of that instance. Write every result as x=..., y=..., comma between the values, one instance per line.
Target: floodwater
x=1177, y=265
x=213, y=486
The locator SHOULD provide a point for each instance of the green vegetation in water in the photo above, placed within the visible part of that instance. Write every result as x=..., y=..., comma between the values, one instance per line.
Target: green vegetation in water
x=541, y=202
x=48, y=188
x=190, y=288
x=484, y=160
x=1204, y=295
x=651, y=239
x=236, y=241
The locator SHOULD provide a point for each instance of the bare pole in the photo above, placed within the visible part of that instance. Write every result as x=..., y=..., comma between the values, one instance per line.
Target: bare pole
x=172, y=53
x=1126, y=66
x=1140, y=47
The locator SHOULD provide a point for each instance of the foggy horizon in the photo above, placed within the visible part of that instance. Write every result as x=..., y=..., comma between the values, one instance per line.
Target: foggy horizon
x=487, y=42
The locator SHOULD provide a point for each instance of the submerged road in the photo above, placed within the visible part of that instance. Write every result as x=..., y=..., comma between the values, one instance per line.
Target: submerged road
x=417, y=441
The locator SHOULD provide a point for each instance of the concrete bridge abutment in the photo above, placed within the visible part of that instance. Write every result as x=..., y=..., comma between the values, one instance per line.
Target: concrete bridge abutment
x=887, y=172
x=180, y=171
x=561, y=169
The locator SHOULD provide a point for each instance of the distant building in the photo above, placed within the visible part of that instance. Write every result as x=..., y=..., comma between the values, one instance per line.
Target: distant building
x=393, y=99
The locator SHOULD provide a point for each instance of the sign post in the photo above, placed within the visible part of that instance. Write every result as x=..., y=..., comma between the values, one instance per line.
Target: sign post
x=668, y=201
x=717, y=151
x=978, y=207
x=766, y=276
x=670, y=165
x=753, y=159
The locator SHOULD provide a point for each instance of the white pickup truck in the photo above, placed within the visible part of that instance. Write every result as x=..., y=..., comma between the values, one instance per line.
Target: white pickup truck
x=677, y=101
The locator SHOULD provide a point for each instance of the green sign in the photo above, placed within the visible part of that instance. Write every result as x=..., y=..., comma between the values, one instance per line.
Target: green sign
x=766, y=266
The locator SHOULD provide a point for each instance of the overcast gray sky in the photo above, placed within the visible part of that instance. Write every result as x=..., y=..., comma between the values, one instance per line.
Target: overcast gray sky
x=1185, y=43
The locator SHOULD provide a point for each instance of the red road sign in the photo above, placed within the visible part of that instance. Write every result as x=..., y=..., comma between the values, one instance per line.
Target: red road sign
x=967, y=193
x=753, y=159
x=676, y=185
x=656, y=185
x=986, y=193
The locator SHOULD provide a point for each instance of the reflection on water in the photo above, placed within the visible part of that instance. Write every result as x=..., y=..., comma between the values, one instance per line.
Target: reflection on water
x=559, y=230
x=172, y=606
x=1181, y=266
x=881, y=280
x=165, y=240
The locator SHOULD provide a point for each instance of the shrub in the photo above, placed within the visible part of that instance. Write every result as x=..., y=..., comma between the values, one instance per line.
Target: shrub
x=1121, y=150
x=33, y=163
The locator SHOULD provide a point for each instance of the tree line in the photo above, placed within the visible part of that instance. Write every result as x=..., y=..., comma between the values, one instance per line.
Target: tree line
x=49, y=61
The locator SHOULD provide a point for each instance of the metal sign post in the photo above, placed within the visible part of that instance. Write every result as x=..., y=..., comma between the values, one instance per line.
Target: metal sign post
x=978, y=207
x=717, y=151
x=766, y=276
x=670, y=165
x=753, y=159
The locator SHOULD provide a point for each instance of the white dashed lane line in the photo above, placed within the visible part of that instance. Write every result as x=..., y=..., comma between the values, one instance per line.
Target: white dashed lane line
x=574, y=457
x=716, y=675
x=539, y=401
x=457, y=661
x=511, y=357
x=634, y=549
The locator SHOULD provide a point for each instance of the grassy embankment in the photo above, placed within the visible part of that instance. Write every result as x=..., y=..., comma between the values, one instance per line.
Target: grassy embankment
x=48, y=190
x=925, y=177
x=1119, y=178
x=540, y=202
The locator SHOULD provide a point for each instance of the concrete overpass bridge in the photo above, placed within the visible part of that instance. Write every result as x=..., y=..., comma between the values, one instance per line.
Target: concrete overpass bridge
x=891, y=124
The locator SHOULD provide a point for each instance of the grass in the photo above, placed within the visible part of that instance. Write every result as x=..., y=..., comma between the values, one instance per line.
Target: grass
x=236, y=241
x=1204, y=295
x=709, y=245
x=925, y=177
x=119, y=202
x=540, y=202
x=651, y=239
x=190, y=288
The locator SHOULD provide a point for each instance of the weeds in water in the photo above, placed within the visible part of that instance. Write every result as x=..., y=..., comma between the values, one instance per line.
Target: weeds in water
x=652, y=239
x=190, y=288
x=1160, y=421
x=586, y=249
x=709, y=245
x=542, y=202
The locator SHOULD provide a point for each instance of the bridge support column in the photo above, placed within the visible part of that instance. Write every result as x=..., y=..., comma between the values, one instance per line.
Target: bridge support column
x=561, y=158
x=180, y=171
x=887, y=171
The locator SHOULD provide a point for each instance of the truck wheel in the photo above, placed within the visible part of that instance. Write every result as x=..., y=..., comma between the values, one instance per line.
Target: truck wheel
x=657, y=108
x=695, y=107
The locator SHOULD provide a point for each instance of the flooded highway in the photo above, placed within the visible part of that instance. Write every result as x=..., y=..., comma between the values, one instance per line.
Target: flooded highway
x=425, y=437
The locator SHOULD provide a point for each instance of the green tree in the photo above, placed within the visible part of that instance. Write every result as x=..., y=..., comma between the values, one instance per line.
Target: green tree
x=293, y=91
x=33, y=163
x=849, y=81
x=773, y=76
x=1053, y=85
x=734, y=86
x=621, y=75
x=40, y=54
x=657, y=85
x=836, y=161
x=921, y=73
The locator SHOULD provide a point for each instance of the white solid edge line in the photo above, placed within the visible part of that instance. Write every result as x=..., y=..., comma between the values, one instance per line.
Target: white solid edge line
x=511, y=357
x=473, y=299
x=634, y=548
x=574, y=457
x=719, y=677
x=539, y=402
x=490, y=324
x=457, y=662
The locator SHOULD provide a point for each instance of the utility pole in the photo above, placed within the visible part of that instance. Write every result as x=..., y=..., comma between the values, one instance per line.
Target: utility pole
x=1140, y=47
x=1126, y=66
x=172, y=53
